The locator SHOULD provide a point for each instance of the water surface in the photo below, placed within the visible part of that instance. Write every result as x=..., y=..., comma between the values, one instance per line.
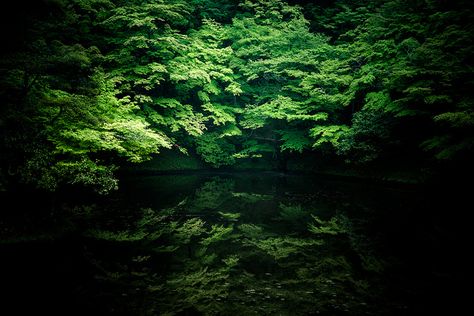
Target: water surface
x=242, y=244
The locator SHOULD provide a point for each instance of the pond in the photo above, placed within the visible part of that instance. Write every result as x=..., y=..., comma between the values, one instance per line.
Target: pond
x=259, y=243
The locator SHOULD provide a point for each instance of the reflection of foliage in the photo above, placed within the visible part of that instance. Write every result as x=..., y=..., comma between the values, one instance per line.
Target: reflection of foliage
x=201, y=289
x=365, y=247
x=212, y=194
x=191, y=227
x=230, y=216
x=251, y=231
x=333, y=226
x=206, y=265
x=292, y=213
x=116, y=236
x=282, y=247
x=251, y=197
x=216, y=234
x=372, y=263
x=136, y=232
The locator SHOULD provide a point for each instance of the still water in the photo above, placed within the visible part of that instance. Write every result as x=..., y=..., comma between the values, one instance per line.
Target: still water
x=241, y=244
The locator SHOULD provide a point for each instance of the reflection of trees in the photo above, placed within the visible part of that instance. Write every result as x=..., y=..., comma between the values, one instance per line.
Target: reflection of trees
x=212, y=194
x=219, y=262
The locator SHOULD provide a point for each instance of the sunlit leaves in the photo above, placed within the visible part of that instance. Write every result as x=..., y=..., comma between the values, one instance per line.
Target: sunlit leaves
x=114, y=127
x=330, y=134
x=292, y=77
x=104, y=79
x=230, y=130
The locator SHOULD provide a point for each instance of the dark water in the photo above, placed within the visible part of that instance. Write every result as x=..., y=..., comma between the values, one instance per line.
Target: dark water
x=240, y=244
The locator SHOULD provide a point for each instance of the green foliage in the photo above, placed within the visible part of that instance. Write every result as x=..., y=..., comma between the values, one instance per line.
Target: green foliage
x=294, y=141
x=84, y=172
x=277, y=54
x=101, y=82
x=416, y=75
x=447, y=146
x=328, y=134
x=368, y=136
x=215, y=150
x=77, y=125
x=252, y=148
x=111, y=126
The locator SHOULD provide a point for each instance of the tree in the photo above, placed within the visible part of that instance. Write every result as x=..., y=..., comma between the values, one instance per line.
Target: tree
x=287, y=78
x=63, y=117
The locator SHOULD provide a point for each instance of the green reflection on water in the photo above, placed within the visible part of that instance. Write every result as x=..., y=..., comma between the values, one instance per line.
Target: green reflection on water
x=224, y=251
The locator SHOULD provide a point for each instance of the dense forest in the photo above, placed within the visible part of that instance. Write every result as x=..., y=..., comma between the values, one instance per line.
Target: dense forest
x=88, y=86
x=94, y=92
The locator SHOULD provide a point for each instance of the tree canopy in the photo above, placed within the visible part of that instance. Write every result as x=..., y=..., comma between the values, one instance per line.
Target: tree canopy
x=89, y=84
